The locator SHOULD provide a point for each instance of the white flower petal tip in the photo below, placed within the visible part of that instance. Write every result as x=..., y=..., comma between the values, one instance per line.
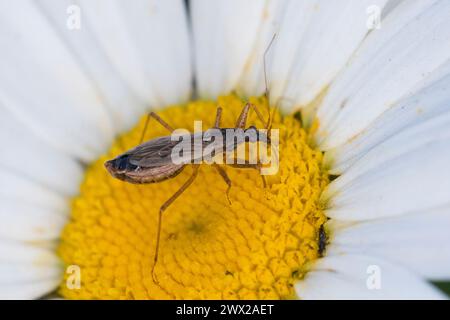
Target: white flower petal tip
x=27, y=271
x=420, y=241
x=28, y=253
x=26, y=222
x=28, y=291
x=363, y=278
x=391, y=63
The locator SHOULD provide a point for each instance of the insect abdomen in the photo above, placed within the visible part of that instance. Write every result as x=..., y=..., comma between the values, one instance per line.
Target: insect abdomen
x=121, y=168
x=154, y=174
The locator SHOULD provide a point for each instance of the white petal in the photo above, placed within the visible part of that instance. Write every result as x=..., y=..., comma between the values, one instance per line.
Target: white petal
x=27, y=253
x=25, y=222
x=116, y=93
x=42, y=85
x=21, y=189
x=230, y=47
x=412, y=138
x=27, y=271
x=310, y=52
x=414, y=181
x=21, y=273
x=390, y=5
x=409, y=124
x=95, y=80
x=392, y=63
x=350, y=277
x=27, y=157
x=147, y=43
x=32, y=290
x=224, y=35
x=252, y=80
x=419, y=241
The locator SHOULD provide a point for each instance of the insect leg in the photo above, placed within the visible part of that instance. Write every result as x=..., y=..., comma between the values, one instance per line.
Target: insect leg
x=157, y=118
x=242, y=120
x=225, y=177
x=161, y=211
x=260, y=116
x=218, y=117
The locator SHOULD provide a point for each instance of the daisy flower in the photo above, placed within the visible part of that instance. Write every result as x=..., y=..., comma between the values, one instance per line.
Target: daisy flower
x=360, y=207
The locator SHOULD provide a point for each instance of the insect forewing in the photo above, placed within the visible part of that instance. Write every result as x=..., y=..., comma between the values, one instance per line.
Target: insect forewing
x=153, y=153
x=158, y=152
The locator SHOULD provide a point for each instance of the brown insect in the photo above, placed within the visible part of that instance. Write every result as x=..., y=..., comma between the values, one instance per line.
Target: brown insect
x=151, y=162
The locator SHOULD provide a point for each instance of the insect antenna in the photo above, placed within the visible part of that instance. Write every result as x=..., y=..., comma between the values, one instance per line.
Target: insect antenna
x=266, y=82
x=267, y=94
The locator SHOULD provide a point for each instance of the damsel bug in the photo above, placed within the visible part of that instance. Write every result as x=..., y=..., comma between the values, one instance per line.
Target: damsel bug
x=152, y=162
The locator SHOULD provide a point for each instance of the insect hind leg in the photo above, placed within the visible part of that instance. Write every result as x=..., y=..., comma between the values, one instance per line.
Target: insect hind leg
x=161, y=211
x=225, y=178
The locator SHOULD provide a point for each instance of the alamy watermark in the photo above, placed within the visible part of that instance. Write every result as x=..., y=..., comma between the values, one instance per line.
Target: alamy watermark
x=73, y=281
x=373, y=281
x=374, y=17
x=74, y=17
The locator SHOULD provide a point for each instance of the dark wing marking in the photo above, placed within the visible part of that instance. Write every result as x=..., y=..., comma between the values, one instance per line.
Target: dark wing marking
x=153, y=153
x=158, y=152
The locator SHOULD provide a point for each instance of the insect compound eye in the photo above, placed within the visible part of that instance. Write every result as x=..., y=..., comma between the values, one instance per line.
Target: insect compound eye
x=121, y=163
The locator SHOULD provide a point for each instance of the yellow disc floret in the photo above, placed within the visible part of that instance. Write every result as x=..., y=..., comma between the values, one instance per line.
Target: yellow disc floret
x=257, y=247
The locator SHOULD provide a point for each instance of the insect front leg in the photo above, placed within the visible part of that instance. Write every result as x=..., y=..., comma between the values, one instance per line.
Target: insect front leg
x=218, y=117
x=160, y=121
x=260, y=117
x=242, y=119
x=225, y=177
x=163, y=208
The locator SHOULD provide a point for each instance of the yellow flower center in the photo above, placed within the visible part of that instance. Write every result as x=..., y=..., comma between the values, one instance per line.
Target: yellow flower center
x=255, y=248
